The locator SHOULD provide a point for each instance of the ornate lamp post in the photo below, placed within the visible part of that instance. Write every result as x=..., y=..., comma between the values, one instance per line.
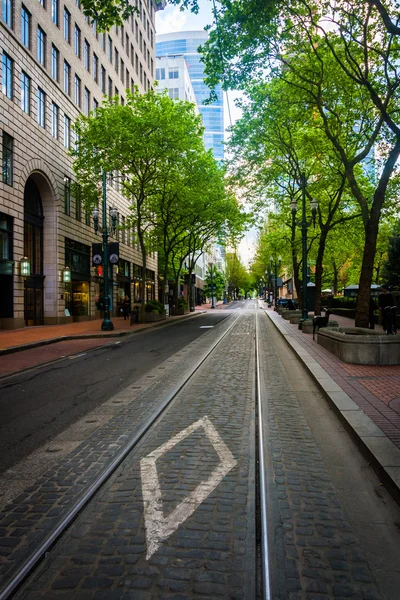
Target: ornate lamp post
x=304, y=226
x=107, y=324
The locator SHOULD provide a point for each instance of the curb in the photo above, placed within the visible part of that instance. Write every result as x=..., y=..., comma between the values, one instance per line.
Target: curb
x=65, y=338
x=381, y=453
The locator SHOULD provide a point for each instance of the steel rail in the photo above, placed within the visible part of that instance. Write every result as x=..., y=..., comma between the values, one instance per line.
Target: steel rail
x=266, y=576
x=26, y=568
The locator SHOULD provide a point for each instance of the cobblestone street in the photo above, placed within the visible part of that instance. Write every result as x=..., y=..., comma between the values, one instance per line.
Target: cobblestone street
x=178, y=519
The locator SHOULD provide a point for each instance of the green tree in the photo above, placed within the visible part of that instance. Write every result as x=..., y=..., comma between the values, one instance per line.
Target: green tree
x=214, y=283
x=237, y=276
x=391, y=267
x=150, y=173
x=343, y=55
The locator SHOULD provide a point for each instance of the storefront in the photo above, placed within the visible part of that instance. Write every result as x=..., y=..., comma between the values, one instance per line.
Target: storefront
x=123, y=282
x=137, y=280
x=150, y=285
x=77, y=293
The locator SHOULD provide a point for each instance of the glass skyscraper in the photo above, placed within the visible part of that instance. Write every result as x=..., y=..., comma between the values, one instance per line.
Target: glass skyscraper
x=186, y=43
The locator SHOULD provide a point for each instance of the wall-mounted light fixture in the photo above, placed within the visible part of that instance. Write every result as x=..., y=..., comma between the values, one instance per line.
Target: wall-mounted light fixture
x=66, y=275
x=25, y=267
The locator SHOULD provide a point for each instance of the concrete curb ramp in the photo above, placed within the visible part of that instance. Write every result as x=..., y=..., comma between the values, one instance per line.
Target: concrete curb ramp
x=383, y=455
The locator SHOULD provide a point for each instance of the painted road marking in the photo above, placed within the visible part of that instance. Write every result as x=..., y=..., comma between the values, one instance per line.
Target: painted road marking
x=77, y=355
x=206, y=326
x=158, y=527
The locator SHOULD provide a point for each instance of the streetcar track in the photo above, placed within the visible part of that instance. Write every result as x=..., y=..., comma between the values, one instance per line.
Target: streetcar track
x=27, y=569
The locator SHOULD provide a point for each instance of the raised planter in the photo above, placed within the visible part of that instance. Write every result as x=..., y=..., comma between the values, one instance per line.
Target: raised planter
x=308, y=325
x=153, y=317
x=361, y=346
x=288, y=314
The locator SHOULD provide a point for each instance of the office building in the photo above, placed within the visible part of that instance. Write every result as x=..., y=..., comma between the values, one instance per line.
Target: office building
x=54, y=65
x=186, y=43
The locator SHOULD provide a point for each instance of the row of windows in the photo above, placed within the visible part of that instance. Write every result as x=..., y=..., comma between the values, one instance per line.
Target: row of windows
x=90, y=60
x=173, y=73
x=77, y=90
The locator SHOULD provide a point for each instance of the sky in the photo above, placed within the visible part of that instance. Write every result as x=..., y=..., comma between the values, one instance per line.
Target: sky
x=173, y=19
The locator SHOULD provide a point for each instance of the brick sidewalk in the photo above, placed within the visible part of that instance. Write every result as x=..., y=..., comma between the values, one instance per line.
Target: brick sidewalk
x=375, y=389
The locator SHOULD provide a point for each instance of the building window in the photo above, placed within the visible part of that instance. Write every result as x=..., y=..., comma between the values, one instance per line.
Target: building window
x=8, y=12
x=77, y=41
x=54, y=120
x=160, y=74
x=25, y=27
x=86, y=55
x=54, y=62
x=95, y=105
x=41, y=46
x=8, y=72
x=141, y=73
x=54, y=11
x=67, y=78
x=173, y=93
x=141, y=42
x=122, y=71
x=41, y=108
x=110, y=87
x=95, y=68
x=132, y=56
x=136, y=64
x=151, y=68
x=86, y=102
x=103, y=42
x=6, y=241
x=67, y=132
x=78, y=203
x=94, y=29
x=173, y=74
x=77, y=91
x=103, y=80
x=42, y=3
x=25, y=93
x=137, y=32
x=8, y=159
x=116, y=60
x=67, y=196
x=109, y=49
x=67, y=25
x=122, y=35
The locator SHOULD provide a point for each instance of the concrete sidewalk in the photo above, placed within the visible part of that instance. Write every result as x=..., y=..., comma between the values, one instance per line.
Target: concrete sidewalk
x=366, y=398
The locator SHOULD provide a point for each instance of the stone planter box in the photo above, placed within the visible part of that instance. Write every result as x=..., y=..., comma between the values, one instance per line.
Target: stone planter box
x=288, y=314
x=308, y=326
x=153, y=317
x=361, y=346
x=295, y=320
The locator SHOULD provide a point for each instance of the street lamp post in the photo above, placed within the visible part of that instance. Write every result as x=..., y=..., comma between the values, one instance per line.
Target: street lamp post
x=275, y=264
x=107, y=324
x=304, y=226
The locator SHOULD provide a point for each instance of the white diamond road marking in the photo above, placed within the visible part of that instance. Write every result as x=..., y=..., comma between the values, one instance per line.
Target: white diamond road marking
x=158, y=527
x=206, y=326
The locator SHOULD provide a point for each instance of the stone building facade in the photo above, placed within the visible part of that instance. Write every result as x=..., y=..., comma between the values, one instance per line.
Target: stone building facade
x=55, y=64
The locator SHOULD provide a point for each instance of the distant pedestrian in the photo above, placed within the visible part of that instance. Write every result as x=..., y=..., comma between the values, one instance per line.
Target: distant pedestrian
x=371, y=311
x=126, y=307
x=385, y=299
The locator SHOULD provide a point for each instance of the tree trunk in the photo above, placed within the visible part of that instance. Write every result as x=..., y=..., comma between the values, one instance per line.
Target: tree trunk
x=335, y=278
x=319, y=268
x=367, y=269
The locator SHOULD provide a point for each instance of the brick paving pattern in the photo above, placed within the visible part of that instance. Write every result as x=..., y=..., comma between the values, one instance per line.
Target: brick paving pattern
x=26, y=521
x=212, y=553
x=375, y=389
x=315, y=554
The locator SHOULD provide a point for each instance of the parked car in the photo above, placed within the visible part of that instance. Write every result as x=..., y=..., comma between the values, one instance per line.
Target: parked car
x=287, y=303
